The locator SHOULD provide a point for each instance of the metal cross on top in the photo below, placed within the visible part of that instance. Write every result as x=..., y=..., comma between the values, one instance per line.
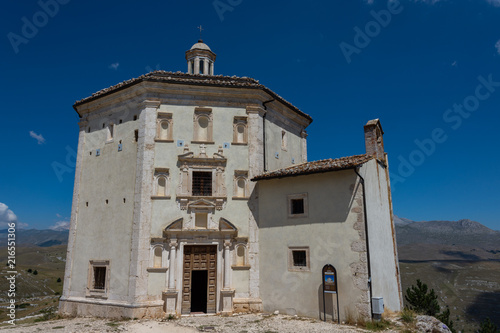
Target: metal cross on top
x=201, y=29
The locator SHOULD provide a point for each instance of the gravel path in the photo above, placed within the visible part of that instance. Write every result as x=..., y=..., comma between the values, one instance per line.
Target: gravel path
x=248, y=323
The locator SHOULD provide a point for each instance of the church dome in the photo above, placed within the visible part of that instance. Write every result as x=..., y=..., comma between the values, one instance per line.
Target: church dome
x=200, y=59
x=200, y=46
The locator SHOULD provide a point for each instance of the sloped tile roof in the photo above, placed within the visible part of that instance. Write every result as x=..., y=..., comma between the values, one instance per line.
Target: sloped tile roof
x=342, y=163
x=192, y=79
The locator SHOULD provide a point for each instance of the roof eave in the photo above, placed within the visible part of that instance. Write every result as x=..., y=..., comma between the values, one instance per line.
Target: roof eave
x=153, y=79
x=305, y=173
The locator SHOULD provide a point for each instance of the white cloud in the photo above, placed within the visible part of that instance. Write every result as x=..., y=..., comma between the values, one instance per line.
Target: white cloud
x=7, y=216
x=454, y=64
x=369, y=2
x=497, y=45
x=114, y=66
x=58, y=215
x=21, y=225
x=37, y=137
x=495, y=3
x=60, y=226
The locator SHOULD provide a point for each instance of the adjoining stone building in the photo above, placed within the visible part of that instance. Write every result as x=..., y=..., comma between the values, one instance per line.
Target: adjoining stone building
x=175, y=210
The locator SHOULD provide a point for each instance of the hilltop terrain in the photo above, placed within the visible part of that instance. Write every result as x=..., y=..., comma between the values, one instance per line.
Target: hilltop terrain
x=459, y=260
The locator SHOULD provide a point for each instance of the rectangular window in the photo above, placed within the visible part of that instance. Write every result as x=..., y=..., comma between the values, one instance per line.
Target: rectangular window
x=202, y=183
x=297, y=206
x=99, y=278
x=298, y=259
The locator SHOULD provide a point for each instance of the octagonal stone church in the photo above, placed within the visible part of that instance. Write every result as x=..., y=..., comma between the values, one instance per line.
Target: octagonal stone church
x=193, y=194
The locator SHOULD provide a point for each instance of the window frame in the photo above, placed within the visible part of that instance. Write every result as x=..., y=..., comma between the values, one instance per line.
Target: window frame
x=240, y=175
x=298, y=196
x=164, y=117
x=165, y=174
x=198, y=113
x=237, y=122
x=291, y=263
x=91, y=290
x=157, y=244
x=207, y=171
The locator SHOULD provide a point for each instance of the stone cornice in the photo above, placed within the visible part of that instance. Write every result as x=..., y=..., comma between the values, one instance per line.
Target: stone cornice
x=169, y=79
x=256, y=109
x=149, y=103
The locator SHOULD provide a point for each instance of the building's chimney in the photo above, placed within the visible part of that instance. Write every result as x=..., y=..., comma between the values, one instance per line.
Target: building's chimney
x=374, y=140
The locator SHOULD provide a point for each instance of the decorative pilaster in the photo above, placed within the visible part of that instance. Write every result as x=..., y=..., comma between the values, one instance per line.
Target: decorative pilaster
x=140, y=246
x=74, y=212
x=227, y=264
x=256, y=159
x=196, y=66
x=170, y=296
x=171, y=265
x=205, y=66
x=255, y=140
x=303, y=136
x=227, y=293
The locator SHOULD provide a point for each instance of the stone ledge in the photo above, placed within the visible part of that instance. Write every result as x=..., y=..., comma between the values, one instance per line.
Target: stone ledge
x=241, y=268
x=160, y=197
x=157, y=269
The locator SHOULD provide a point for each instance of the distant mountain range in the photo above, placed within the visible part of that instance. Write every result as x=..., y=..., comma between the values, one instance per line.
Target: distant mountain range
x=34, y=237
x=463, y=233
x=442, y=240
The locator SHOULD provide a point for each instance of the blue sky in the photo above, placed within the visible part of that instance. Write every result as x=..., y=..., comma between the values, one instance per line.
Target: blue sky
x=428, y=69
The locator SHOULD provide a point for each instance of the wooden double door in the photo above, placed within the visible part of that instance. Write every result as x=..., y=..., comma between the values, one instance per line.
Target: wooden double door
x=199, y=282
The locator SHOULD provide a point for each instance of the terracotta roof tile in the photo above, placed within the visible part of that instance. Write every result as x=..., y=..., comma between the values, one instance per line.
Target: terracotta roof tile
x=342, y=163
x=192, y=79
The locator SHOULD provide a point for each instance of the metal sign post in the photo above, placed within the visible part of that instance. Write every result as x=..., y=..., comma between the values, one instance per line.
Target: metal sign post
x=329, y=277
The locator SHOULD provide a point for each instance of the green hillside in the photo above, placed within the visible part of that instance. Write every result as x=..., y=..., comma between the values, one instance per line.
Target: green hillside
x=35, y=294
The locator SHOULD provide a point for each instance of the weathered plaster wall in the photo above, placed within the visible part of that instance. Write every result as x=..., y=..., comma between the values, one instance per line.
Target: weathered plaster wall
x=382, y=238
x=334, y=233
x=278, y=156
x=104, y=229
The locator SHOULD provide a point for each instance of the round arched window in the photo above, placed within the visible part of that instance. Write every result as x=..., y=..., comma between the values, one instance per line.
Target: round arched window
x=157, y=258
x=241, y=187
x=162, y=185
x=203, y=123
x=240, y=130
x=164, y=130
x=240, y=256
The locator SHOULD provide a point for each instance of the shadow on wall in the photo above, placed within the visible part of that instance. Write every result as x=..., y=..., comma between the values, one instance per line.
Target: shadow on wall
x=331, y=197
x=330, y=305
x=486, y=305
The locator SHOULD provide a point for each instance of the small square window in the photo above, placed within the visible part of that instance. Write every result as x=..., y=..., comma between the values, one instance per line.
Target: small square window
x=298, y=259
x=297, y=205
